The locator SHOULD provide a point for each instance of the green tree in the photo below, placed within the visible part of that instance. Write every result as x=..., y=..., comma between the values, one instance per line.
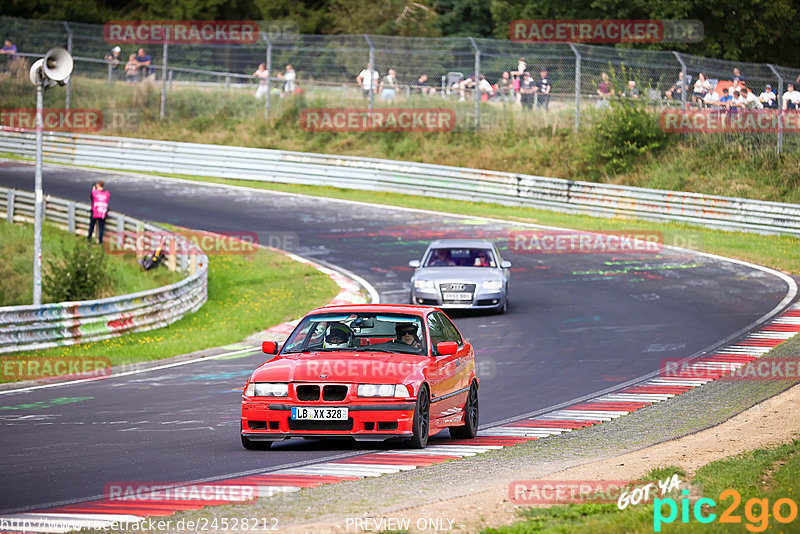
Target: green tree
x=464, y=18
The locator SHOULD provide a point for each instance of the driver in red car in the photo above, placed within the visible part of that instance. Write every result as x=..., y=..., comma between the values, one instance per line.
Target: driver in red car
x=407, y=333
x=338, y=336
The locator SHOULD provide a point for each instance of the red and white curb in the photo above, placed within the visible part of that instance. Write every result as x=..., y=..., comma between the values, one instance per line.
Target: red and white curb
x=105, y=513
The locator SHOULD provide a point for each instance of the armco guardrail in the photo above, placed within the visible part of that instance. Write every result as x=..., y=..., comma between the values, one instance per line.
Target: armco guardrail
x=412, y=178
x=69, y=323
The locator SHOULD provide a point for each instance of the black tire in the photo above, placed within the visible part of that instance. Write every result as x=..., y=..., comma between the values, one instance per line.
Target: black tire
x=422, y=420
x=471, y=415
x=251, y=445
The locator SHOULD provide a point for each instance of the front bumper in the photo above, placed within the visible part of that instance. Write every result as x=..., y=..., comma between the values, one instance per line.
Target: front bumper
x=481, y=299
x=367, y=421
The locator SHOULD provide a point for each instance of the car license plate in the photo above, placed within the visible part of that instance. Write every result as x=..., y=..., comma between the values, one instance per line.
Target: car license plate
x=457, y=296
x=319, y=413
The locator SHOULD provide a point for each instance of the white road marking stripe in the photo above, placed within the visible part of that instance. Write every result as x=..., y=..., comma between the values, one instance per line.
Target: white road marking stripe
x=636, y=397
x=678, y=382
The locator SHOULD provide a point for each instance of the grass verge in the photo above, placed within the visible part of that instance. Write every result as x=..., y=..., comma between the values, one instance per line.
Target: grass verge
x=761, y=478
x=245, y=294
x=16, y=272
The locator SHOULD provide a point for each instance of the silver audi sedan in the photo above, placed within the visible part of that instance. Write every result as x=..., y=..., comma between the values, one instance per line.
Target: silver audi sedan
x=461, y=273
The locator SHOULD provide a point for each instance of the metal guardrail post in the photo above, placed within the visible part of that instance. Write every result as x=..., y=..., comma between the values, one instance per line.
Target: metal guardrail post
x=577, y=86
x=371, y=69
x=684, y=89
x=69, y=49
x=268, y=100
x=476, y=92
x=12, y=193
x=110, y=73
x=163, y=110
x=780, y=105
x=71, y=217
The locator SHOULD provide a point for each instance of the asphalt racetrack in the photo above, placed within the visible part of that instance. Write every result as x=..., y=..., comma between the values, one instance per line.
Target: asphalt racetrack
x=577, y=324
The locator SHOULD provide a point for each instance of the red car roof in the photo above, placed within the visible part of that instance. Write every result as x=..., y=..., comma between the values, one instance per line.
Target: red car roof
x=377, y=308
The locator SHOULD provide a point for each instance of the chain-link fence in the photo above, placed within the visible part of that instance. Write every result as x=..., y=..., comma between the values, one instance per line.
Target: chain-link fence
x=481, y=80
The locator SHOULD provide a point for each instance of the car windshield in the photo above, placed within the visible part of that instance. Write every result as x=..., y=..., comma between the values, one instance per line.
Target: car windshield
x=359, y=332
x=460, y=257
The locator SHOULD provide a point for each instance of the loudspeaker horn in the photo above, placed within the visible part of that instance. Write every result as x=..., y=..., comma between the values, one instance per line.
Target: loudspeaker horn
x=57, y=64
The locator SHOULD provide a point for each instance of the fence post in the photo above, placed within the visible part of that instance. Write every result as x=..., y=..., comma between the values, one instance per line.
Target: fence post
x=780, y=105
x=371, y=69
x=476, y=91
x=110, y=72
x=71, y=217
x=69, y=49
x=577, y=86
x=164, y=78
x=684, y=89
x=268, y=100
x=10, y=205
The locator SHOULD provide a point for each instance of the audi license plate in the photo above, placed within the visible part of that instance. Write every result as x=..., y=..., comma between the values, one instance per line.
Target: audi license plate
x=457, y=296
x=319, y=413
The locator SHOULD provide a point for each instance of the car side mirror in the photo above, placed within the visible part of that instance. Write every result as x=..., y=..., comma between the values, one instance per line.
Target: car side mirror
x=269, y=347
x=414, y=263
x=445, y=348
x=505, y=264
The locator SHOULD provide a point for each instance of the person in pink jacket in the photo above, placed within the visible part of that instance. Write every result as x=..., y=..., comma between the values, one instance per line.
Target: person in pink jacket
x=99, y=210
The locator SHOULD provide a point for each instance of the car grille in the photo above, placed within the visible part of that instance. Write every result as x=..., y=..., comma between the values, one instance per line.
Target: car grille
x=330, y=392
x=306, y=392
x=458, y=288
x=303, y=424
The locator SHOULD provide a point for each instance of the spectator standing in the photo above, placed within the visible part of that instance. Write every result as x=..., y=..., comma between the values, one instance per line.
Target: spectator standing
x=526, y=90
x=132, y=69
x=262, y=75
x=145, y=61
x=631, y=92
x=768, y=98
x=289, y=78
x=9, y=50
x=504, y=86
x=701, y=88
x=737, y=76
x=791, y=98
x=604, y=90
x=522, y=67
x=367, y=80
x=543, y=87
x=113, y=58
x=100, y=198
x=388, y=87
x=485, y=88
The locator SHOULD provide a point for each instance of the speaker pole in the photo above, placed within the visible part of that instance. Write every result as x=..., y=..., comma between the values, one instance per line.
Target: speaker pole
x=38, y=200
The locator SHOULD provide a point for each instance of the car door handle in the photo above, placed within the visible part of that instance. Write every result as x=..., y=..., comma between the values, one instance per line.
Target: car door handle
x=458, y=362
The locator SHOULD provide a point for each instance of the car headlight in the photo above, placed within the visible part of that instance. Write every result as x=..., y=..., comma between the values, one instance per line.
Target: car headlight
x=267, y=389
x=423, y=284
x=382, y=390
x=492, y=284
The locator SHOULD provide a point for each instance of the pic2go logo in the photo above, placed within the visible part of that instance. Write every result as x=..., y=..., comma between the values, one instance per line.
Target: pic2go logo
x=756, y=511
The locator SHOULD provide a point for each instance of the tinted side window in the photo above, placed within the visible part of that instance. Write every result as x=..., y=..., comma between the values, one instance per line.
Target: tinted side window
x=450, y=330
x=436, y=329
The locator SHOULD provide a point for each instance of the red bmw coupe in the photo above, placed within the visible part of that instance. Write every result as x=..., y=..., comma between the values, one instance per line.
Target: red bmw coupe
x=369, y=372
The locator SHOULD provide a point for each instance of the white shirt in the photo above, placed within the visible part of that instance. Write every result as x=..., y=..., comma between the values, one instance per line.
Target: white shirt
x=485, y=86
x=711, y=98
x=767, y=96
x=366, y=81
x=289, y=77
x=702, y=86
x=753, y=102
x=792, y=96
